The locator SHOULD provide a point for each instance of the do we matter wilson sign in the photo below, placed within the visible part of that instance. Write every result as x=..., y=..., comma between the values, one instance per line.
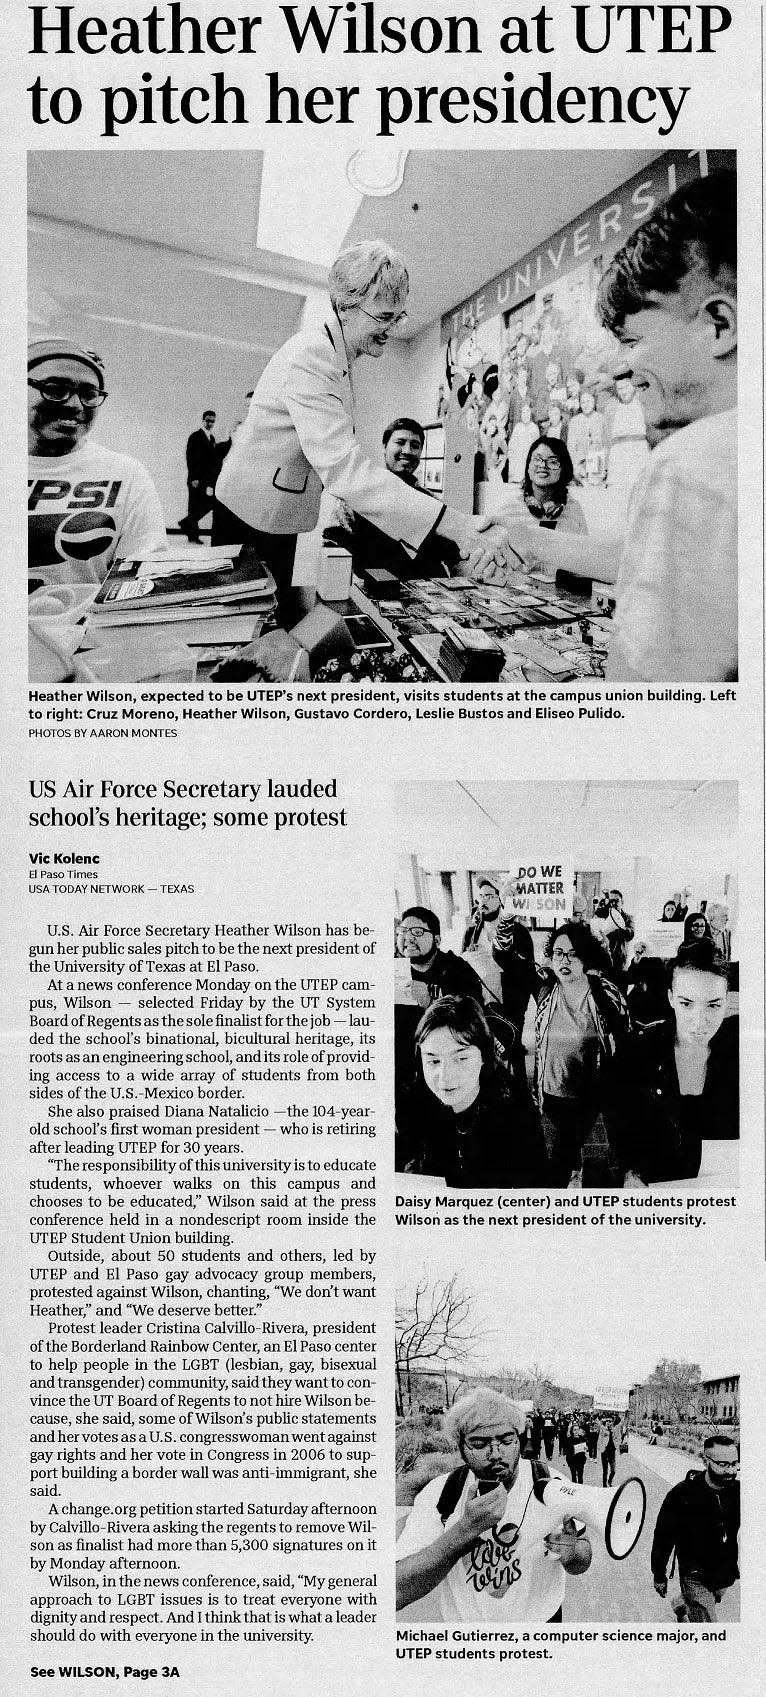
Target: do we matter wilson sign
x=543, y=888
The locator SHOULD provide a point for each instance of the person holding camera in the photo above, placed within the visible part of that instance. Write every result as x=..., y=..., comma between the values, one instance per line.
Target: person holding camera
x=613, y=928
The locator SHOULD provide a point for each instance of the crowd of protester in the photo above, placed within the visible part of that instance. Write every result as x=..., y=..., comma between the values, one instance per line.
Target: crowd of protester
x=579, y=1434
x=475, y=1544
x=633, y=1064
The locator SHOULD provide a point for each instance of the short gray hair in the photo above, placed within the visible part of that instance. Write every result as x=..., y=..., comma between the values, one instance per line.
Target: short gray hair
x=479, y=1405
x=358, y=269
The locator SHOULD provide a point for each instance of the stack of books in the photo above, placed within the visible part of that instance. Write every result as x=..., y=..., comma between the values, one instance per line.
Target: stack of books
x=215, y=597
x=470, y=656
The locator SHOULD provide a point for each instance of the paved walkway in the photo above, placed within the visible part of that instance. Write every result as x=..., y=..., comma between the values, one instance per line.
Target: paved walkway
x=623, y=1590
x=671, y=1465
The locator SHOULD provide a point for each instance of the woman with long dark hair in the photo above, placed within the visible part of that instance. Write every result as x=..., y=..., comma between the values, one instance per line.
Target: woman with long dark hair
x=580, y=1024
x=548, y=475
x=466, y=1118
x=696, y=929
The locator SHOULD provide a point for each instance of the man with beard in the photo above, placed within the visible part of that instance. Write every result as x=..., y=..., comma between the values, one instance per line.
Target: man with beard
x=480, y=931
x=461, y=1549
x=700, y=1520
x=434, y=971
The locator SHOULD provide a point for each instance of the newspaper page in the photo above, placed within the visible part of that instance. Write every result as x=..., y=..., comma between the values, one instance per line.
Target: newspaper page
x=383, y=1204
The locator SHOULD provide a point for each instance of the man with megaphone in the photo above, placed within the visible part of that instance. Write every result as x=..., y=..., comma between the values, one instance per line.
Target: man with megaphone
x=480, y=1542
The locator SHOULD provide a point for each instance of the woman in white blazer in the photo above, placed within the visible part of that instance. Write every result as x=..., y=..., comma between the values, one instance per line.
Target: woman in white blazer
x=299, y=436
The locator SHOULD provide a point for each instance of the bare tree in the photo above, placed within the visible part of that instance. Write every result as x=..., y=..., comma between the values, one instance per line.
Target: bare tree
x=535, y=1384
x=514, y=1382
x=540, y=1383
x=434, y=1329
x=674, y=1386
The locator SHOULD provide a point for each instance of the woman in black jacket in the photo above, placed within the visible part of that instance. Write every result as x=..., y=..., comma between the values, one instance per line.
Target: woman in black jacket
x=580, y=1025
x=466, y=1118
x=679, y=1085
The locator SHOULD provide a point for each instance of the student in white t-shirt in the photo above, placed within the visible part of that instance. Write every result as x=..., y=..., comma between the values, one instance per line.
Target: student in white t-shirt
x=477, y=1544
x=86, y=504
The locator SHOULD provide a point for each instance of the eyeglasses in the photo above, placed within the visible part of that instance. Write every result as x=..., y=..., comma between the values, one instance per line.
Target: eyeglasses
x=59, y=390
x=483, y=1444
x=540, y=461
x=564, y=954
x=415, y=931
x=386, y=320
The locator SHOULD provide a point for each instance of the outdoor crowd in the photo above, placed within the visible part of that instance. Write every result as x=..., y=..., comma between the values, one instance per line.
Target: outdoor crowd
x=497, y=1538
x=579, y=1435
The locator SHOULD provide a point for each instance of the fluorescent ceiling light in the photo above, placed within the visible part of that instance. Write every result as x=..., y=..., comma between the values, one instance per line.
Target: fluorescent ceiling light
x=175, y=332
x=305, y=213
x=43, y=308
x=378, y=168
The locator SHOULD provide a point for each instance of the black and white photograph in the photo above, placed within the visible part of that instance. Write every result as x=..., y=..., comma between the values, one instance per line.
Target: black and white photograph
x=418, y=415
x=566, y=985
x=548, y=1471
x=383, y=848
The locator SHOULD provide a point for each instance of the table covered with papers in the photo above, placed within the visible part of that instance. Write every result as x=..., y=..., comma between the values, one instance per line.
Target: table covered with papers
x=541, y=631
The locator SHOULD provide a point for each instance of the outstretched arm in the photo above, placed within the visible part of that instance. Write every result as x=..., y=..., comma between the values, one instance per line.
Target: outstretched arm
x=554, y=551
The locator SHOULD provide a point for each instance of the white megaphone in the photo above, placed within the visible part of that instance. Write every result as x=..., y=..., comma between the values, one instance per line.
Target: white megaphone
x=617, y=1512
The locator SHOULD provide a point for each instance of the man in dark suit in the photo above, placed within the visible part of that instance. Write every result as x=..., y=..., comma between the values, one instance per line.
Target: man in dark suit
x=203, y=463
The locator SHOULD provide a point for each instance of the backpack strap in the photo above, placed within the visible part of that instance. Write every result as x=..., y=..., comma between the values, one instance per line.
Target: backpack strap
x=540, y=1472
x=452, y=1491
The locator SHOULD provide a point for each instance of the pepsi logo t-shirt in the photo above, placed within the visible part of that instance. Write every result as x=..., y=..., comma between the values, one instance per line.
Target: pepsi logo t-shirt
x=84, y=509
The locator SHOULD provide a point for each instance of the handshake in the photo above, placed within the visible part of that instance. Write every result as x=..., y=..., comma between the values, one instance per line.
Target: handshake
x=491, y=548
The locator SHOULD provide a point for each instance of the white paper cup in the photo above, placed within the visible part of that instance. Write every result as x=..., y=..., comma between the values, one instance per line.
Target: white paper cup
x=334, y=575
